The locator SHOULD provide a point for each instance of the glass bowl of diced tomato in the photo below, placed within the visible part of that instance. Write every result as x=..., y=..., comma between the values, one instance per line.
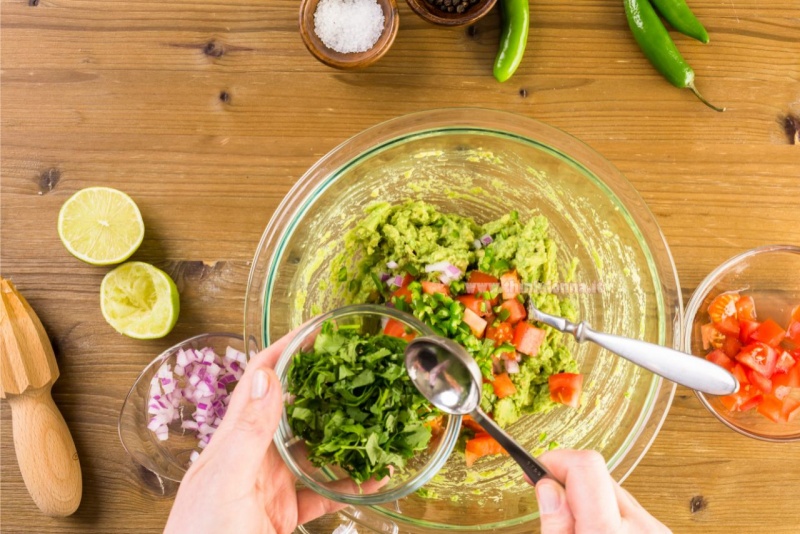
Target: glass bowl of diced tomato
x=745, y=317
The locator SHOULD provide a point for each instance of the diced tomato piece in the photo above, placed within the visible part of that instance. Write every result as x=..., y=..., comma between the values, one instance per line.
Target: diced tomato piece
x=516, y=310
x=761, y=382
x=720, y=358
x=770, y=333
x=436, y=425
x=407, y=279
x=722, y=312
x=746, y=329
x=739, y=372
x=395, y=328
x=565, y=388
x=528, y=338
x=793, y=332
x=501, y=333
x=712, y=338
x=510, y=284
x=790, y=379
x=435, y=287
x=480, y=306
x=746, y=309
x=770, y=408
x=790, y=409
x=479, y=282
x=751, y=403
x=403, y=294
x=732, y=346
x=785, y=362
x=468, y=422
x=482, y=445
x=475, y=323
x=759, y=357
x=503, y=386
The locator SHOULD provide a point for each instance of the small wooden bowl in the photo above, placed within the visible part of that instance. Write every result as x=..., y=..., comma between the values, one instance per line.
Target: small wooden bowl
x=356, y=60
x=436, y=16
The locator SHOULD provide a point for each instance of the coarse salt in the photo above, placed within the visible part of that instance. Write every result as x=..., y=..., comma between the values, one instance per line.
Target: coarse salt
x=348, y=26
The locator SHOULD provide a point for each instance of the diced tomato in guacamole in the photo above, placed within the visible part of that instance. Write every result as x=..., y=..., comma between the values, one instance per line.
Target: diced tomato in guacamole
x=503, y=386
x=565, y=388
x=528, y=338
x=482, y=445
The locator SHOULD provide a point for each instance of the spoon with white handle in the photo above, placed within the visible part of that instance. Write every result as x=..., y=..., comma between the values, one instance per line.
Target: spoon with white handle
x=687, y=370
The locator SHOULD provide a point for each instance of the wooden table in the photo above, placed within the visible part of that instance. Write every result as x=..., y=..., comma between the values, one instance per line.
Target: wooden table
x=206, y=112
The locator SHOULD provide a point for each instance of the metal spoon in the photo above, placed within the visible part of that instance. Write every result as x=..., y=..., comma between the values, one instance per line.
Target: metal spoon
x=686, y=370
x=446, y=375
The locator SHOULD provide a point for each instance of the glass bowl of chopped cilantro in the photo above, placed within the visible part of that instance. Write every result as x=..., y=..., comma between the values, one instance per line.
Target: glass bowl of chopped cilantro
x=460, y=218
x=355, y=429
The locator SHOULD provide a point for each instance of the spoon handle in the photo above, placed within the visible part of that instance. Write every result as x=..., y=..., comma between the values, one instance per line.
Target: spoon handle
x=685, y=369
x=530, y=465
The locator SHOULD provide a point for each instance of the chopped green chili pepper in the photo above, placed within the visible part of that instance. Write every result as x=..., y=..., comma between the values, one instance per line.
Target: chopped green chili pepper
x=514, y=38
x=655, y=42
x=681, y=18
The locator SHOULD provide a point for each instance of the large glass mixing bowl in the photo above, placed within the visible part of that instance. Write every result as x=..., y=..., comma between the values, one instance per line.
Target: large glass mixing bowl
x=483, y=164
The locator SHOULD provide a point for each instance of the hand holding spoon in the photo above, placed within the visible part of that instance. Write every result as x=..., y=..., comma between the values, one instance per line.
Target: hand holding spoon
x=446, y=375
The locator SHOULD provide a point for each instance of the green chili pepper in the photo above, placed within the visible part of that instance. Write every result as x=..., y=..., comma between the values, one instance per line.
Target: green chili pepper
x=514, y=37
x=655, y=42
x=682, y=19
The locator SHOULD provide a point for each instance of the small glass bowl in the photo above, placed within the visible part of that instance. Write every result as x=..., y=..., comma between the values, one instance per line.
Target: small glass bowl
x=331, y=481
x=771, y=275
x=170, y=458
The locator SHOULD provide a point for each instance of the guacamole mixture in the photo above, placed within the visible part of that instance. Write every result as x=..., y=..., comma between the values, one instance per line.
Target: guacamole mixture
x=426, y=262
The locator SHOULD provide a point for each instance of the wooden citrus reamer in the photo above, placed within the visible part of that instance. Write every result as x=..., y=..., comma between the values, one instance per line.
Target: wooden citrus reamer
x=45, y=450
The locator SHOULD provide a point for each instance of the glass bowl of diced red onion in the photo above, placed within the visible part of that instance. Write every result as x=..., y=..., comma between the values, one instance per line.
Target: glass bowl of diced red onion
x=175, y=406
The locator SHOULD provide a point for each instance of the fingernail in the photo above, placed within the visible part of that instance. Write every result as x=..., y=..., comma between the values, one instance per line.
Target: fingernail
x=549, y=498
x=259, y=387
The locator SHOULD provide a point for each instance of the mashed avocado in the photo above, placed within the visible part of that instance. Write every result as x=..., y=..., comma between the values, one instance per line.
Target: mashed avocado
x=402, y=239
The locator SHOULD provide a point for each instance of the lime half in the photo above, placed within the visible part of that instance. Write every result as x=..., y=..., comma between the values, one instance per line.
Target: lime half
x=139, y=300
x=100, y=225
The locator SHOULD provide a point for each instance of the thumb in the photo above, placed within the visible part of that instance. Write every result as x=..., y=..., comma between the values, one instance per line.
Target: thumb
x=554, y=511
x=246, y=432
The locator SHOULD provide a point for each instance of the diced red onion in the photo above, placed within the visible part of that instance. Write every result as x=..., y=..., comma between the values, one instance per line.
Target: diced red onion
x=453, y=271
x=198, y=379
x=486, y=239
x=397, y=281
x=438, y=267
x=194, y=456
x=385, y=276
x=391, y=264
x=477, y=244
x=512, y=367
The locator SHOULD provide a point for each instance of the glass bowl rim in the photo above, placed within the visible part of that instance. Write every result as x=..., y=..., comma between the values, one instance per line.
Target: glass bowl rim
x=692, y=308
x=166, y=354
x=419, y=479
x=481, y=120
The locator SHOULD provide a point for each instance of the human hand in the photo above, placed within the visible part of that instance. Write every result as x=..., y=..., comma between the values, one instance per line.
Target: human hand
x=240, y=483
x=592, y=501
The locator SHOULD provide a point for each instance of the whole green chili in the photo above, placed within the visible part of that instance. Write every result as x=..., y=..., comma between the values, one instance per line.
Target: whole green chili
x=681, y=18
x=655, y=42
x=513, y=39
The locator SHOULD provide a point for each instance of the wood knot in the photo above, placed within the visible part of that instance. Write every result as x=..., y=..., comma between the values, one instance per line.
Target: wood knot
x=791, y=125
x=198, y=270
x=697, y=504
x=472, y=31
x=48, y=179
x=33, y=3
x=523, y=93
x=213, y=49
x=225, y=97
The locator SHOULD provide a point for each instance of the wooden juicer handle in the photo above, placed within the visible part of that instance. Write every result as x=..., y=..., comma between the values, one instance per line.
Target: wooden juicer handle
x=46, y=453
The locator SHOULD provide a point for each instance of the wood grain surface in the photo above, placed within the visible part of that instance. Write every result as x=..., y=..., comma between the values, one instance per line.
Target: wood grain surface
x=206, y=112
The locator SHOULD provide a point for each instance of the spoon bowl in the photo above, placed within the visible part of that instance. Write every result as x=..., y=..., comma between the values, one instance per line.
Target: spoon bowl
x=445, y=373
